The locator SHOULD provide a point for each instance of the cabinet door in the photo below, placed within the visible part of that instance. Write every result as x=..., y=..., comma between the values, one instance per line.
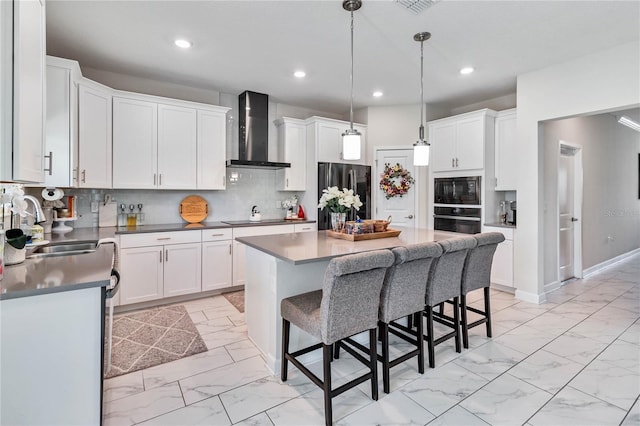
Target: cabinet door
x=470, y=144
x=29, y=90
x=293, y=149
x=216, y=265
x=94, y=137
x=212, y=151
x=176, y=147
x=239, y=251
x=329, y=142
x=442, y=137
x=182, y=269
x=363, y=145
x=58, y=143
x=502, y=268
x=506, y=140
x=135, y=137
x=141, y=274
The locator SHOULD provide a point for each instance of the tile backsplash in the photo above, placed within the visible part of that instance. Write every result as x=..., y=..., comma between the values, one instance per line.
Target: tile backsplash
x=245, y=188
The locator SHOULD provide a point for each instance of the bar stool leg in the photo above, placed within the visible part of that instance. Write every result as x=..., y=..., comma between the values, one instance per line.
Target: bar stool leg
x=373, y=363
x=326, y=361
x=463, y=321
x=384, y=334
x=487, y=309
x=420, y=339
x=286, y=326
x=430, y=345
x=456, y=323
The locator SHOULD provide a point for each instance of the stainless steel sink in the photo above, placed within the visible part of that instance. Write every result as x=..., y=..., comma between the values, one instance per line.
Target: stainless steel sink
x=64, y=249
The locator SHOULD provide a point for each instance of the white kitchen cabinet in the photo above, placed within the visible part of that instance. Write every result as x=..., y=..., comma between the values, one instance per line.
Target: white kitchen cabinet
x=212, y=150
x=305, y=227
x=502, y=267
x=506, y=150
x=458, y=143
x=176, y=147
x=217, y=259
x=159, y=264
x=325, y=136
x=135, y=143
x=239, y=249
x=94, y=135
x=292, y=148
x=6, y=89
x=61, y=141
x=29, y=90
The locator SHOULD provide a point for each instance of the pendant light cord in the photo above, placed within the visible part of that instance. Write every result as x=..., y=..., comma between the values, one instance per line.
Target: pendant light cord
x=421, y=90
x=351, y=110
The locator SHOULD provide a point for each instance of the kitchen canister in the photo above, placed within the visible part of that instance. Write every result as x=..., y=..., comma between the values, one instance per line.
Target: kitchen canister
x=14, y=249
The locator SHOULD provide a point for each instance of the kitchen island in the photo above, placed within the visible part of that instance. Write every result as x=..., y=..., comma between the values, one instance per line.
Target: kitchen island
x=51, y=338
x=288, y=264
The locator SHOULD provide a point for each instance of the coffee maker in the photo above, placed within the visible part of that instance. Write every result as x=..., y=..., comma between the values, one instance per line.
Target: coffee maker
x=511, y=213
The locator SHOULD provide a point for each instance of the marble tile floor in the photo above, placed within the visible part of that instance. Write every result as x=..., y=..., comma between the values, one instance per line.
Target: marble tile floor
x=574, y=360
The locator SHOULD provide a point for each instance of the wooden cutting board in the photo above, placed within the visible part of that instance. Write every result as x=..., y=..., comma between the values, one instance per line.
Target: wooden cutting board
x=194, y=209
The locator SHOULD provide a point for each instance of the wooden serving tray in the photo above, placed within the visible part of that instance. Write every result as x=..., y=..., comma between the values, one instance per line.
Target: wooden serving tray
x=361, y=237
x=194, y=209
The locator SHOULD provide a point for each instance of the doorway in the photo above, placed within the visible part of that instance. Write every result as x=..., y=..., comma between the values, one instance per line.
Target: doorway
x=569, y=211
x=402, y=209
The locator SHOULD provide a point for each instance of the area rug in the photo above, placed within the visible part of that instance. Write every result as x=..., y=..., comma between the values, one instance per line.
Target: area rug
x=236, y=298
x=151, y=337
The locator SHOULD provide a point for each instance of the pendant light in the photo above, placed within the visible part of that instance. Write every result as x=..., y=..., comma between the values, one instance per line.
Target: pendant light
x=351, y=138
x=421, y=147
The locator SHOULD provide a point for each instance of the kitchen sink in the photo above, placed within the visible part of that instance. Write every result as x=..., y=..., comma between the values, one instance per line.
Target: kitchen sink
x=64, y=249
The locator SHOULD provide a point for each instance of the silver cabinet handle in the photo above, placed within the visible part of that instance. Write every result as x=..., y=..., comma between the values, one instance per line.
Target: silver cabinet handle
x=409, y=217
x=456, y=162
x=217, y=235
x=229, y=249
x=160, y=180
x=154, y=179
x=453, y=164
x=166, y=255
x=287, y=184
x=160, y=256
x=163, y=239
x=84, y=176
x=224, y=181
x=50, y=157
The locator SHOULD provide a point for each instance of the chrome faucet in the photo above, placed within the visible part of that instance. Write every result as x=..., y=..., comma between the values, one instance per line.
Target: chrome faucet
x=38, y=213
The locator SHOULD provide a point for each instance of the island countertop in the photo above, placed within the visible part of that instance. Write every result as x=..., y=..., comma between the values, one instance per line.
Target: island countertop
x=307, y=247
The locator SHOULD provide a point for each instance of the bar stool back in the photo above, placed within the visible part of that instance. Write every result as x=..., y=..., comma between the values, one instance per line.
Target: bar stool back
x=347, y=304
x=477, y=274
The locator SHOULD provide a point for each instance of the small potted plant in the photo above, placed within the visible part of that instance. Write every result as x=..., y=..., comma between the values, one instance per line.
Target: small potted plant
x=339, y=203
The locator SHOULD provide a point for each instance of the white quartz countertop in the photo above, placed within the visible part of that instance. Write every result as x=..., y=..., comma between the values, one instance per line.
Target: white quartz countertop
x=307, y=247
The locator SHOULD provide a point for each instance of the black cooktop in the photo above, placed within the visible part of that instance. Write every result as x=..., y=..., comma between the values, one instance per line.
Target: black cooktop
x=251, y=222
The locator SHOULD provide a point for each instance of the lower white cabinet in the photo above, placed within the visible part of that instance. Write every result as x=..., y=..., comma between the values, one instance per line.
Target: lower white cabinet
x=502, y=267
x=217, y=259
x=159, y=264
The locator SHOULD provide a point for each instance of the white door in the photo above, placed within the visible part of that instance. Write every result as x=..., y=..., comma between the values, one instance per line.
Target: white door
x=569, y=202
x=402, y=209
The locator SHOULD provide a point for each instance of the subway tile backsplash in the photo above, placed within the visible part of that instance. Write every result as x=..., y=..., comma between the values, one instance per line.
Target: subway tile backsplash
x=245, y=188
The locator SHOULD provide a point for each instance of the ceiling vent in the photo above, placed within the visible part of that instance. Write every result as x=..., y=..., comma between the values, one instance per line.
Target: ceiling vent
x=416, y=6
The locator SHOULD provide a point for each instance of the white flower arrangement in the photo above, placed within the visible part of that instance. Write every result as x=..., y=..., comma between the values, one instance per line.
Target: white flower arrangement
x=290, y=203
x=14, y=194
x=339, y=201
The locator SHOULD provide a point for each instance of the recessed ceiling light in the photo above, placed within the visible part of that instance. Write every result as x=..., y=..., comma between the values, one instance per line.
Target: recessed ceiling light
x=377, y=94
x=466, y=70
x=185, y=44
x=299, y=74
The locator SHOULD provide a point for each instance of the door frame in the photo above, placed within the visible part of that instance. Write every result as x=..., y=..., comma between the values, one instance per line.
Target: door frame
x=577, y=209
x=419, y=212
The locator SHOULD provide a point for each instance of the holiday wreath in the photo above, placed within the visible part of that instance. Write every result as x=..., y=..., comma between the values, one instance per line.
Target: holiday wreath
x=395, y=180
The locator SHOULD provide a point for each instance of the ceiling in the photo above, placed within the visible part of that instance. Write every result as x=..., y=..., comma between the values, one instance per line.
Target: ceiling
x=257, y=45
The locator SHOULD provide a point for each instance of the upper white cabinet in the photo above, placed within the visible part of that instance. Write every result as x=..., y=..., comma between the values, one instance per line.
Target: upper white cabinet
x=165, y=145
x=458, y=143
x=94, y=135
x=292, y=148
x=506, y=146
x=61, y=142
x=176, y=147
x=135, y=143
x=326, y=136
x=6, y=89
x=29, y=75
x=212, y=149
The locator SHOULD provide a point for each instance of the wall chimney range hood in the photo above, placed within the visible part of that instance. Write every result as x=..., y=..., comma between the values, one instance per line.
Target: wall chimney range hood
x=253, y=126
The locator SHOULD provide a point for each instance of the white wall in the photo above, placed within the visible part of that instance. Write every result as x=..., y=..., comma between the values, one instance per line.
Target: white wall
x=611, y=207
x=497, y=104
x=599, y=82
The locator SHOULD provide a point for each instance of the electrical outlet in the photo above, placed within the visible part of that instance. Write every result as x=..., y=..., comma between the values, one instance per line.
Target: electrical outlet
x=94, y=206
x=278, y=204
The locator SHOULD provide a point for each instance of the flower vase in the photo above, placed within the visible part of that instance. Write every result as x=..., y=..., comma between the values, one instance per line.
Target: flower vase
x=338, y=221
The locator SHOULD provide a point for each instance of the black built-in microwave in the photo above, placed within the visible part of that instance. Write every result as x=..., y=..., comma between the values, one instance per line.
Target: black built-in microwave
x=457, y=190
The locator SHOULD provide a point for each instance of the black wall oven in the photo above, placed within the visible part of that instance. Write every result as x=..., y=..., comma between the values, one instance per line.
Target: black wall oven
x=457, y=205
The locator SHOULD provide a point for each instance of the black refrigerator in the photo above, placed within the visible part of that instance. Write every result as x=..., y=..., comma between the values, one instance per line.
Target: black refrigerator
x=350, y=176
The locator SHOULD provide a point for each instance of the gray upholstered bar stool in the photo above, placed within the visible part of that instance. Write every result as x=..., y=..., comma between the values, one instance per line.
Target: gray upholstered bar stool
x=476, y=275
x=346, y=305
x=402, y=296
x=443, y=285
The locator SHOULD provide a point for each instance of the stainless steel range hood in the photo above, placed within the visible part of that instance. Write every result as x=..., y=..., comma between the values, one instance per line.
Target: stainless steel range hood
x=253, y=125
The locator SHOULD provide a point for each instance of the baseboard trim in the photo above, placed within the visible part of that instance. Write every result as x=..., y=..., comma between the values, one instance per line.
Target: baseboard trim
x=531, y=297
x=552, y=286
x=607, y=263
